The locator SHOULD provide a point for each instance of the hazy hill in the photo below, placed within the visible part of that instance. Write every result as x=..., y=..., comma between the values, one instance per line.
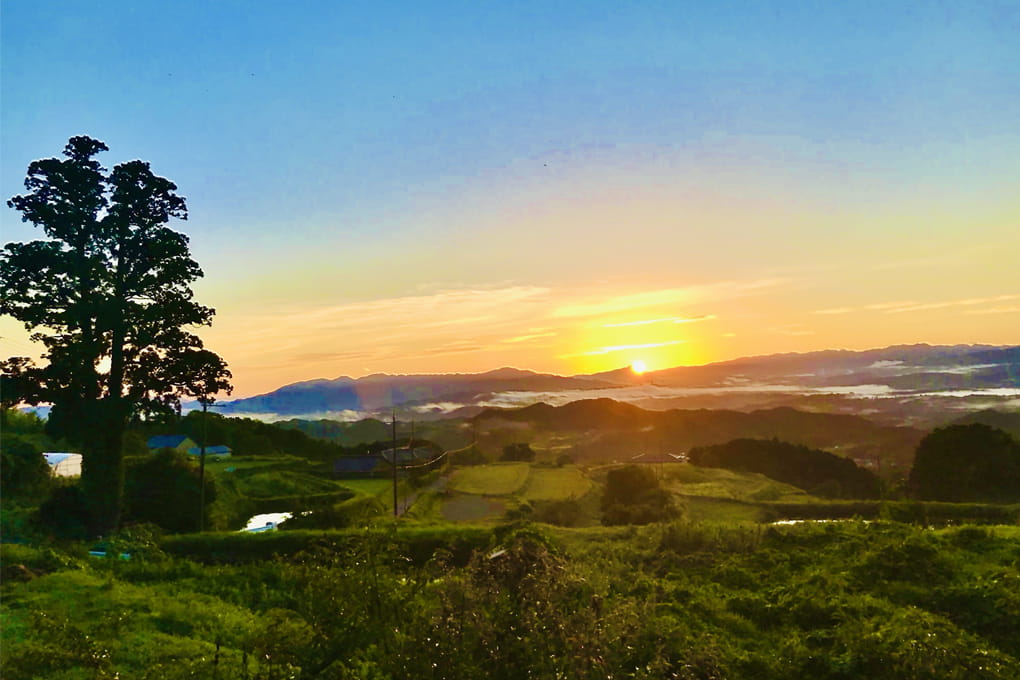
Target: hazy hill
x=597, y=430
x=381, y=391
x=903, y=366
x=602, y=429
x=905, y=384
x=1008, y=421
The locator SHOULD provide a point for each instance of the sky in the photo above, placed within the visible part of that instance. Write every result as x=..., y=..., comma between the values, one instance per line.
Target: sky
x=566, y=187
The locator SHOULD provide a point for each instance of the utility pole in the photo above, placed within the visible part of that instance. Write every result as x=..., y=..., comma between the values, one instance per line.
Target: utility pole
x=201, y=465
x=395, y=510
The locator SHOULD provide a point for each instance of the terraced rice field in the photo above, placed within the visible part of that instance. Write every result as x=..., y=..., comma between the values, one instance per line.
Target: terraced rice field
x=497, y=479
x=690, y=480
x=549, y=484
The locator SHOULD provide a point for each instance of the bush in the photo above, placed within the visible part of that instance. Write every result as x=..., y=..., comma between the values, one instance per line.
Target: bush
x=65, y=513
x=165, y=490
x=472, y=455
x=25, y=471
x=565, y=512
x=633, y=495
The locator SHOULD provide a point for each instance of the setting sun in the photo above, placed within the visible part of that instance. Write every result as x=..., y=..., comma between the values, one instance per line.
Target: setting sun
x=639, y=367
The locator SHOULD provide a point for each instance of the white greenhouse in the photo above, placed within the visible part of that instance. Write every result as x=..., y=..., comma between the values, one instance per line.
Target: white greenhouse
x=64, y=464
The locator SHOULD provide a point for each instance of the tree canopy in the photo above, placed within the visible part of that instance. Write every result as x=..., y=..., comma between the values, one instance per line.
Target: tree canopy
x=967, y=463
x=108, y=295
x=634, y=495
x=816, y=471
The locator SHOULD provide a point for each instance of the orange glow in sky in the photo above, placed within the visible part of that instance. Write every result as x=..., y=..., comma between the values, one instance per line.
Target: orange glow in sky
x=419, y=190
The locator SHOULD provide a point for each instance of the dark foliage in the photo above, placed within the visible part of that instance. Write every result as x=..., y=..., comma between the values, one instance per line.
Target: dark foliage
x=164, y=490
x=519, y=452
x=633, y=495
x=25, y=473
x=962, y=463
x=65, y=514
x=813, y=470
x=249, y=437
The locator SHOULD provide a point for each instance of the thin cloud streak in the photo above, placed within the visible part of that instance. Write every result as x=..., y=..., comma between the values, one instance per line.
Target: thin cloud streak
x=669, y=319
x=969, y=302
x=621, y=348
x=654, y=298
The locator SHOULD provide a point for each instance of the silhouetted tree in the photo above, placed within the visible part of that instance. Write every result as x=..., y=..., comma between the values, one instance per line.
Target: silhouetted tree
x=963, y=463
x=108, y=295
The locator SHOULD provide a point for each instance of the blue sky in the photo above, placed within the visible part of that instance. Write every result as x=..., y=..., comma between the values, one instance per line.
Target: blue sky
x=414, y=155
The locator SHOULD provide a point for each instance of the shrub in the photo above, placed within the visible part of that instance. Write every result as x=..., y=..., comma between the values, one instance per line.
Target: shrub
x=25, y=471
x=518, y=452
x=165, y=490
x=633, y=495
x=65, y=513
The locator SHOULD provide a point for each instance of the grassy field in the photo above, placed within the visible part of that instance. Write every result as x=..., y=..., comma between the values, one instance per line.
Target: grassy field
x=284, y=483
x=231, y=464
x=545, y=483
x=497, y=479
x=370, y=487
x=716, y=510
x=690, y=480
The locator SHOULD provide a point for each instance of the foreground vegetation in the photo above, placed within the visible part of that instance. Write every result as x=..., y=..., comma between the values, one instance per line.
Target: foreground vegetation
x=680, y=600
x=503, y=570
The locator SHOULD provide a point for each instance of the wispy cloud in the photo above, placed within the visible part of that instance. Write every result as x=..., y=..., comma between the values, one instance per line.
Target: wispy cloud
x=836, y=310
x=621, y=348
x=529, y=337
x=882, y=306
x=968, y=302
x=994, y=310
x=669, y=319
x=666, y=296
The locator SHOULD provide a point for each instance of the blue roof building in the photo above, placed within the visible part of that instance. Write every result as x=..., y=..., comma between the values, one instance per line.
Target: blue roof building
x=180, y=442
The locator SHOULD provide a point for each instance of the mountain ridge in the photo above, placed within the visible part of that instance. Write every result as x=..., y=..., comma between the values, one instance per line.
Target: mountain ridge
x=897, y=370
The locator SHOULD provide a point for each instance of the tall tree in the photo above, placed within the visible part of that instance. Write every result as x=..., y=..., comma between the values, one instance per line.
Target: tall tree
x=967, y=463
x=108, y=294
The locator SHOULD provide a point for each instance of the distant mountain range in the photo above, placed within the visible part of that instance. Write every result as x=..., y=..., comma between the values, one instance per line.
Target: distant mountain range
x=381, y=391
x=911, y=384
